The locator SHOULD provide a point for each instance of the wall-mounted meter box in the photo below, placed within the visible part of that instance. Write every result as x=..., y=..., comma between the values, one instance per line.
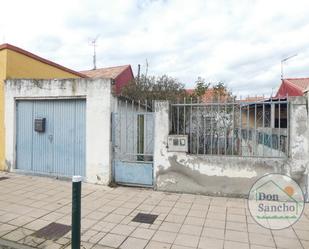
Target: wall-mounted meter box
x=39, y=124
x=177, y=143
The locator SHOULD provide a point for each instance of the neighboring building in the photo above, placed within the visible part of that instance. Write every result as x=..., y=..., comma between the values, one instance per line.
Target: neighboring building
x=121, y=75
x=210, y=96
x=16, y=63
x=293, y=87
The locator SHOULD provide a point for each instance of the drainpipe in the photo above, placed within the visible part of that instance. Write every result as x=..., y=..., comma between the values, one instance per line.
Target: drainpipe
x=307, y=166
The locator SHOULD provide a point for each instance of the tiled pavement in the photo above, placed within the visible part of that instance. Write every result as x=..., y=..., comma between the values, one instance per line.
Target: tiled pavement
x=184, y=221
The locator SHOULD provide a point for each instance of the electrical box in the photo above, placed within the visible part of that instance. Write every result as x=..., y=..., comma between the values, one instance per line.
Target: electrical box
x=178, y=143
x=39, y=124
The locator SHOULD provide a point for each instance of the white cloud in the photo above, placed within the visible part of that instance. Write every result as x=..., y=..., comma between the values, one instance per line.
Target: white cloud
x=240, y=42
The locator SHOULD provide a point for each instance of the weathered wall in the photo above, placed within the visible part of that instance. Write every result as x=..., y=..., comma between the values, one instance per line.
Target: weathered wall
x=14, y=65
x=98, y=112
x=223, y=175
x=298, y=146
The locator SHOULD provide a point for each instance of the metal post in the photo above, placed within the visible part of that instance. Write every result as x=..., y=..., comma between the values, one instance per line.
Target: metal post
x=211, y=127
x=279, y=121
x=76, y=211
x=233, y=129
x=198, y=127
x=256, y=139
x=248, y=124
x=240, y=127
x=184, y=116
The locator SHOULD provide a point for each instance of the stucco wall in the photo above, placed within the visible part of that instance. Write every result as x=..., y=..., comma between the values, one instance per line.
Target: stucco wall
x=97, y=93
x=225, y=175
x=14, y=65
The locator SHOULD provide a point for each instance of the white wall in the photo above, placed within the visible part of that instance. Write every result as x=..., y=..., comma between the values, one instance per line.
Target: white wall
x=97, y=93
x=226, y=175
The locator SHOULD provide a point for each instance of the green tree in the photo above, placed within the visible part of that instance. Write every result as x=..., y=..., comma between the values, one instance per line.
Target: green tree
x=154, y=88
x=200, y=87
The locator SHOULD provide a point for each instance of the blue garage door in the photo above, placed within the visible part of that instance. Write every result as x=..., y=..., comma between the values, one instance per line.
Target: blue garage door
x=50, y=136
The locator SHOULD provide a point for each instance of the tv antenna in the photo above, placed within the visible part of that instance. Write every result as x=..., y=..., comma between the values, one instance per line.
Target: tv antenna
x=94, y=44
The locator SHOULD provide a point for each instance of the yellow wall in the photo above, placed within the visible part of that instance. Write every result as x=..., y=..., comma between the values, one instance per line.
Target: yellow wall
x=14, y=65
x=22, y=66
x=3, y=63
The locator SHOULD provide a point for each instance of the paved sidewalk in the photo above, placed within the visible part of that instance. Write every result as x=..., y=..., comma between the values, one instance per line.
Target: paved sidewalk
x=28, y=204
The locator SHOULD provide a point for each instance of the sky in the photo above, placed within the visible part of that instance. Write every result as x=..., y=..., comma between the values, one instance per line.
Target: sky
x=238, y=42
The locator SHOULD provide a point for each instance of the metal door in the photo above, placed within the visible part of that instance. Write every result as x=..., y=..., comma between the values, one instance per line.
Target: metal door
x=133, y=147
x=60, y=149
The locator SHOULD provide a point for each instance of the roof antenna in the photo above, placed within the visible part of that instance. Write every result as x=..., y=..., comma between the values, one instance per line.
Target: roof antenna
x=146, y=72
x=94, y=44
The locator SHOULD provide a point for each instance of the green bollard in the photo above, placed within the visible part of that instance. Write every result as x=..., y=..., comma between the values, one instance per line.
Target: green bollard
x=76, y=211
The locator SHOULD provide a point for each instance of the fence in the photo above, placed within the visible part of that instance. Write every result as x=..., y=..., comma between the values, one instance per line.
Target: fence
x=132, y=130
x=231, y=127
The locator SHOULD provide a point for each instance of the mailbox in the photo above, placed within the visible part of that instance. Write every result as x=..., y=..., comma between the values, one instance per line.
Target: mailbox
x=178, y=143
x=39, y=124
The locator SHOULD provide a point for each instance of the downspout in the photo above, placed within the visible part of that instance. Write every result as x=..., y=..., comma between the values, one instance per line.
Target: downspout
x=307, y=168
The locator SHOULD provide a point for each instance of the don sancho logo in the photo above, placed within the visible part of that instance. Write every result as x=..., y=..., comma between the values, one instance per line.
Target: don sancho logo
x=276, y=201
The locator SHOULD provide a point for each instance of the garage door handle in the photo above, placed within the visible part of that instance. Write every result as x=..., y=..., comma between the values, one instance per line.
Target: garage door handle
x=51, y=138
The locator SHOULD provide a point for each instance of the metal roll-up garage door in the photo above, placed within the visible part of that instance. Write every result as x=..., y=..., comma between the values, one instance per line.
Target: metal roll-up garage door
x=50, y=136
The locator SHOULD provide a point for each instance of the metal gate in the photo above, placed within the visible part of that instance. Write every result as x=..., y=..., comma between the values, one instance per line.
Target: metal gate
x=133, y=130
x=50, y=136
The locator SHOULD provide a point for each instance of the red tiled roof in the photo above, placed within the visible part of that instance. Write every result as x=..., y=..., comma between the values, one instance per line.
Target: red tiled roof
x=107, y=72
x=253, y=99
x=208, y=96
x=38, y=58
x=301, y=83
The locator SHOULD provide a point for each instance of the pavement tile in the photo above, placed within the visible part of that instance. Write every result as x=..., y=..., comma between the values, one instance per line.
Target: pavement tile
x=123, y=229
x=134, y=243
x=255, y=228
x=175, y=218
x=163, y=236
x=157, y=245
x=184, y=220
x=210, y=243
x=260, y=247
x=143, y=233
x=37, y=224
x=170, y=227
x=235, y=245
x=197, y=213
x=97, y=237
x=180, y=247
x=114, y=218
x=236, y=236
x=302, y=234
x=305, y=243
x=112, y=240
x=287, y=243
x=96, y=215
x=8, y=216
x=194, y=221
x=236, y=218
x=32, y=241
x=215, y=223
x=21, y=220
x=213, y=233
x=191, y=229
x=49, y=244
x=237, y=226
x=17, y=234
x=104, y=226
x=186, y=240
x=261, y=239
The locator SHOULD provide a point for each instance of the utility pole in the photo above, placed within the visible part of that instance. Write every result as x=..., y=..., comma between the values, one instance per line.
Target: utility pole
x=94, y=44
x=138, y=73
x=284, y=60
